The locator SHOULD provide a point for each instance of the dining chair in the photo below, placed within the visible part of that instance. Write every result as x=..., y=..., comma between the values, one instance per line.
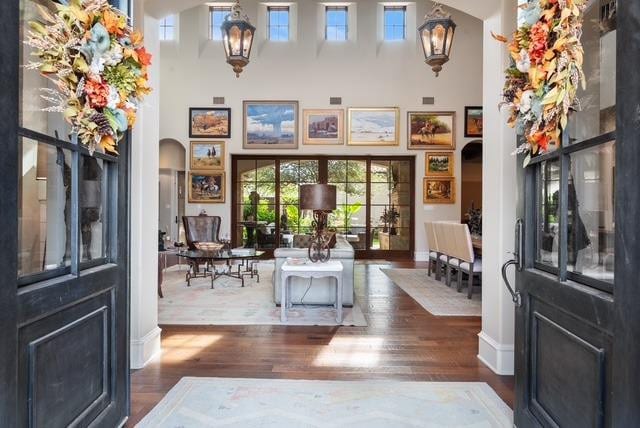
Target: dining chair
x=433, y=247
x=467, y=262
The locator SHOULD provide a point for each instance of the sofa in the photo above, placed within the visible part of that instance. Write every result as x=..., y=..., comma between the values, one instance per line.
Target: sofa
x=322, y=291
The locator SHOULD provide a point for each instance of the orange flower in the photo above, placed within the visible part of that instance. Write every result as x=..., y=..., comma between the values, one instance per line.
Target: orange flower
x=144, y=57
x=540, y=139
x=114, y=23
x=136, y=38
x=97, y=92
x=539, y=39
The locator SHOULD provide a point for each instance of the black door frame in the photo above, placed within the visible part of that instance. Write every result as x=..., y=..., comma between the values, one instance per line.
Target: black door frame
x=20, y=307
x=616, y=308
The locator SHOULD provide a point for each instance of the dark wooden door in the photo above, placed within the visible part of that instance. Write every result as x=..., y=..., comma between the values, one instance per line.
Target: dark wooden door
x=64, y=294
x=577, y=328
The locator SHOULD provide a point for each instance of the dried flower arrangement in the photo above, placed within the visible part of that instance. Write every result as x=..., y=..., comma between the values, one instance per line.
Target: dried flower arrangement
x=545, y=72
x=98, y=65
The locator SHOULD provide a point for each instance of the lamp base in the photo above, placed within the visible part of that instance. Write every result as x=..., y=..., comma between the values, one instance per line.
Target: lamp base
x=319, y=250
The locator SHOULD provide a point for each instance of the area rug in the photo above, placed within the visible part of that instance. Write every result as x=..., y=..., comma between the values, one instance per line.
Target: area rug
x=265, y=403
x=434, y=295
x=230, y=304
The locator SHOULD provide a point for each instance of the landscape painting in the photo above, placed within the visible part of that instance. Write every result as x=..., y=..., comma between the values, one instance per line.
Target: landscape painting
x=473, y=121
x=431, y=130
x=206, y=188
x=323, y=126
x=270, y=124
x=439, y=190
x=439, y=164
x=209, y=122
x=374, y=126
x=207, y=155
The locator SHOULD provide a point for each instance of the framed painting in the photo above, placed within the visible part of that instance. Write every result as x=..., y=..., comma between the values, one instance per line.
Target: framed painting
x=431, y=130
x=374, y=126
x=323, y=127
x=207, y=155
x=439, y=164
x=473, y=121
x=439, y=190
x=206, y=187
x=209, y=122
x=270, y=125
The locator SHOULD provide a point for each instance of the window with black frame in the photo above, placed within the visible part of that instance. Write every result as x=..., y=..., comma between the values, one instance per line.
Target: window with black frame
x=64, y=216
x=575, y=184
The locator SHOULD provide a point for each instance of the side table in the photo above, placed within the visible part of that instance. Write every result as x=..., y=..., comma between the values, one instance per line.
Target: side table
x=330, y=269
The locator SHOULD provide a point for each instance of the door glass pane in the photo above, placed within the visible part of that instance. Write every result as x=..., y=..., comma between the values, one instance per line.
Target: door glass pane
x=44, y=208
x=591, y=222
x=93, y=208
x=548, y=215
x=32, y=84
x=597, y=108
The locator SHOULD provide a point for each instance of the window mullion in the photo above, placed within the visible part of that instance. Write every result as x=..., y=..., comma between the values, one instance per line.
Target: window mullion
x=75, y=210
x=563, y=208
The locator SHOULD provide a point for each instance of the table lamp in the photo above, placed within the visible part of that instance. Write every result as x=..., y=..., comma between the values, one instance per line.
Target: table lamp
x=321, y=199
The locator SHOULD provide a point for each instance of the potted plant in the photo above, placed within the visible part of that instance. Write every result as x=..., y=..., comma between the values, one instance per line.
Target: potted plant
x=384, y=218
x=392, y=218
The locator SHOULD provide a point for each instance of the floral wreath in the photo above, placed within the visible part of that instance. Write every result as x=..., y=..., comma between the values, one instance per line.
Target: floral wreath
x=545, y=71
x=98, y=66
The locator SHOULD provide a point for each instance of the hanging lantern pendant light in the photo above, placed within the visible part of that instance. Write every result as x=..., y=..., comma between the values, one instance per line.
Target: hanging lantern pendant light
x=237, y=38
x=436, y=35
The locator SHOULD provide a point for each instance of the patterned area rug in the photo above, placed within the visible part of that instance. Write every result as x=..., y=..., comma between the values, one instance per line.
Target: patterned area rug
x=265, y=403
x=434, y=295
x=230, y=304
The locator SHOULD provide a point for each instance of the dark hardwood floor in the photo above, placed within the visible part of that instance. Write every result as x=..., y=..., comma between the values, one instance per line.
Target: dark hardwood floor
x=401, y=342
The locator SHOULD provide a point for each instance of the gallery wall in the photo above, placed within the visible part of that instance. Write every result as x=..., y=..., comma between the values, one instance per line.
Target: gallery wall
x=364, y=71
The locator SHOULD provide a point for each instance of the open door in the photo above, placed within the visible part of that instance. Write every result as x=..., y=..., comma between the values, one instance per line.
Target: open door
x=578, y=248
x=64, y=295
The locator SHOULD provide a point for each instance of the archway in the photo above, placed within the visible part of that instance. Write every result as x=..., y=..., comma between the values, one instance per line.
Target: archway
x=471, y=184
x=171, y=201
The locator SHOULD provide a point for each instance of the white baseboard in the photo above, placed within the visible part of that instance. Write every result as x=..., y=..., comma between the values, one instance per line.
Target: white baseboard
x=145, y=349
x=421, y=256
x=498, y=357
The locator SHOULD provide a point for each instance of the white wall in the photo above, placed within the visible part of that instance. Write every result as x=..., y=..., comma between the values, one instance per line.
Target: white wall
x=364, y=72
x=145, y=334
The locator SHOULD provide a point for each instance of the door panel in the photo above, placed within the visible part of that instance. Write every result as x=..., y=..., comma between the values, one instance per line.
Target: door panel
x=64, y=358
x=577, y=352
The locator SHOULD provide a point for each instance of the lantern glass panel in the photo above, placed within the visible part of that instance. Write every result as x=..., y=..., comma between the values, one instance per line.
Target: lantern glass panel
x=225, y=42
x=438, y=39
x=246, y=43
x=426, y=42
x=235, y=36
x=449, y=40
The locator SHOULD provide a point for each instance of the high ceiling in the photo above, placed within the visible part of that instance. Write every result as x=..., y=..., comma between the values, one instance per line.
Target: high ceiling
x=481, y=9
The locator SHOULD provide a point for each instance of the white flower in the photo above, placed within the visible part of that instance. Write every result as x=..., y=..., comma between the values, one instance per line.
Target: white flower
x=96, y=67
x=113, y=99
x=523, y=64
x=131, y=106
x=525, y=101
x=113, y=56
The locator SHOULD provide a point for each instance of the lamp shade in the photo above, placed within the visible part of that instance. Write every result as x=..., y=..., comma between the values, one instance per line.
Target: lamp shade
x=318, y=197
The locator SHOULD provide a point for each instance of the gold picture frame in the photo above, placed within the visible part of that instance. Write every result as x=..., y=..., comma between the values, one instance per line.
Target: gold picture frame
x=379, y=126
x=439, y=164
x=439, y=190
x=431, y=130
x=207, y=187
x=323, y=127
x=207, y=156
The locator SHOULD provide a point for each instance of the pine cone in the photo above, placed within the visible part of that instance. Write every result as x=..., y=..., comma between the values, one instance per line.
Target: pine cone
x=104, y=126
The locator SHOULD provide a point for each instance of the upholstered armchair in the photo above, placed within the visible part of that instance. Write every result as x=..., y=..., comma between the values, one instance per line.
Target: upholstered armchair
x=201, y=229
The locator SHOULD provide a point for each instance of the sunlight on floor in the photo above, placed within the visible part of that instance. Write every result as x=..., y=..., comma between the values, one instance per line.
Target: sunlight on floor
x=181, y=347
x=350, y=352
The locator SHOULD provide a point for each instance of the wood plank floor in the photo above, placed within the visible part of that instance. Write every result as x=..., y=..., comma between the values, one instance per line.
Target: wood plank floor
x=401, y=342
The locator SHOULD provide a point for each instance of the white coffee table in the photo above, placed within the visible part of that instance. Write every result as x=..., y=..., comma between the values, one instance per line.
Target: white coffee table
x=330, y=269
